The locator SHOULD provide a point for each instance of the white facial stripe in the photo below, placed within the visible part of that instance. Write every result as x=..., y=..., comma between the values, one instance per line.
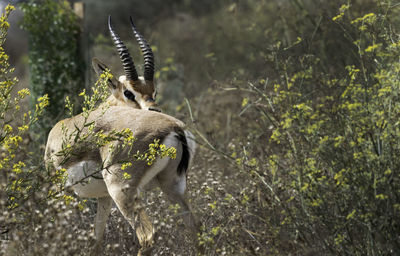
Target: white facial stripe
x=139, y=98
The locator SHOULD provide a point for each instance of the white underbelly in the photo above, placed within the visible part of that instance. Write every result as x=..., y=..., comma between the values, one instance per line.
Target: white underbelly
x=86, y=179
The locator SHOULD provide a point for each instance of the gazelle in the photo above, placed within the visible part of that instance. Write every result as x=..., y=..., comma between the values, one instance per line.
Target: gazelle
x=131, y=103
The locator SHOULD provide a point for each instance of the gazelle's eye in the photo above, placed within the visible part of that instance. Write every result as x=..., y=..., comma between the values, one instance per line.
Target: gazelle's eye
x=129, y=95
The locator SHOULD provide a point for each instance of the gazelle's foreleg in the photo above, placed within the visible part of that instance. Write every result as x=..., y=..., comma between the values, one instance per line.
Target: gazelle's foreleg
x=103, y=212
x=100, y=221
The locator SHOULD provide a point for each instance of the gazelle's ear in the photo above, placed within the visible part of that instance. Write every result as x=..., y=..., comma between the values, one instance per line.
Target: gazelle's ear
x=99, y=67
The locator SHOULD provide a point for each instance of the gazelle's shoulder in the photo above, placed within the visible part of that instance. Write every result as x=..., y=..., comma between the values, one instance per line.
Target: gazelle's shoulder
x=68, y=123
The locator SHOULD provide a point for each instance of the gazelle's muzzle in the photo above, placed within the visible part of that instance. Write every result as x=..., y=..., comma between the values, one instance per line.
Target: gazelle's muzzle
x=149, y=104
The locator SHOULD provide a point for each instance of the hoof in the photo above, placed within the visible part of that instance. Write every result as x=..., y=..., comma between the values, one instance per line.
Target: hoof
x=145, y=252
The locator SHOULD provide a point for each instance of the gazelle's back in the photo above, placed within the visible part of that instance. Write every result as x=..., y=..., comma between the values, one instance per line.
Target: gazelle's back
x=140, y=122
x=145, y=126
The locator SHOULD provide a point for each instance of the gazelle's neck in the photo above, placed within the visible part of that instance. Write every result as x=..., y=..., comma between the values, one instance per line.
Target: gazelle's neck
x=112, y=101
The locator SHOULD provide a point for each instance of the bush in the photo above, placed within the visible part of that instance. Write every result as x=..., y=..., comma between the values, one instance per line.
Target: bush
x=37, y=216
x=55, y=62
x=331, y=178
x=303, y=162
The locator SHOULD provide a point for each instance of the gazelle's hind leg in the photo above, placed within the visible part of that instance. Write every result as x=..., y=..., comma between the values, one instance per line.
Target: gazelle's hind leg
x=175, y=191
x=173, y=184
x=144, y=232
x=125, y=194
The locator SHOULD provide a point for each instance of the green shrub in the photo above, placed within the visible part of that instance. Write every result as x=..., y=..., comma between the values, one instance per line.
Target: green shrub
x=332, y=174
x=55, y=61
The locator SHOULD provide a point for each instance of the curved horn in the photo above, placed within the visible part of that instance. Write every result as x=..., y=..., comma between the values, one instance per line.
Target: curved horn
x=147, y=54
x=127, y=62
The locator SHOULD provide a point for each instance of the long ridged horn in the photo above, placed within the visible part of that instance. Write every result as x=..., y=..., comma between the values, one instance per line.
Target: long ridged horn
x=147, y=54
x=127, y=62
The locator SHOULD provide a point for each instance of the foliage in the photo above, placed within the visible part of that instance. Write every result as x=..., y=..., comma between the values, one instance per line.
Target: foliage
x=331, y=176
x=295, y=109
x=13, y=167
x=11, y=135
x=30, y=201
x=56, y=67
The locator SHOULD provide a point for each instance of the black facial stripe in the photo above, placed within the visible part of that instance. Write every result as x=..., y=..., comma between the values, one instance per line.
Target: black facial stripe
x=129, y=95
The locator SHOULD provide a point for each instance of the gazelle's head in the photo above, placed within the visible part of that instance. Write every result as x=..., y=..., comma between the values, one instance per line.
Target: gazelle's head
x=130, y=89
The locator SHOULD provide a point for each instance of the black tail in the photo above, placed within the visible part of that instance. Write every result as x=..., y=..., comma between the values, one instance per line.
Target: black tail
x=184, y=163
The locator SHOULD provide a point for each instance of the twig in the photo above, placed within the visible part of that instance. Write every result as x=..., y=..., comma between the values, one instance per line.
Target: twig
x=190, y=110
